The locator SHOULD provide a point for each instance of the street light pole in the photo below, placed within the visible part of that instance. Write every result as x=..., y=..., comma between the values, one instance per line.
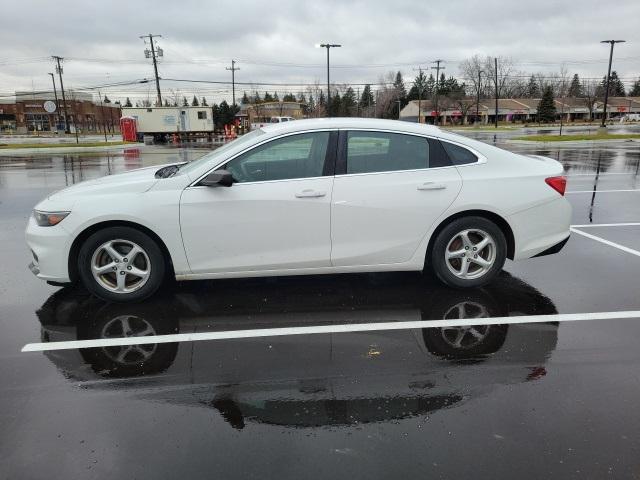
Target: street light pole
x=328, y=46
x=606, y=92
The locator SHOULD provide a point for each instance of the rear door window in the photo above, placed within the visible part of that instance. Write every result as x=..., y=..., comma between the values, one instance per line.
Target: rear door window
x=369, y=152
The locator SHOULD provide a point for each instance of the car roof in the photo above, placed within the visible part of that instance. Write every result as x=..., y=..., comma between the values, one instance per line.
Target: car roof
x=349, y=122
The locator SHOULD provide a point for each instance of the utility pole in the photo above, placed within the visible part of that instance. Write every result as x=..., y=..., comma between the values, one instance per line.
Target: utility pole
x=64, y=100
x=606, y=92
x=104, y=126
x=495, y=69
x=480, y=72
x=233, y=80
x=437, y=68
x=55, y=95
x=328, y=46
x=153, y=53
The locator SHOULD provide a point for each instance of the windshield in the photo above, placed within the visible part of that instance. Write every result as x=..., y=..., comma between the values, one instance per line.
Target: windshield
x=220, y=151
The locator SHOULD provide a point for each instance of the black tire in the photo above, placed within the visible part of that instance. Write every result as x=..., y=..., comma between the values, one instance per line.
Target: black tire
x=438, y=261
x=154, y=261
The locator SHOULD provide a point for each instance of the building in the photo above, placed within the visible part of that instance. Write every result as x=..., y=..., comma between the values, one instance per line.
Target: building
x=40, y=112
x=521, y=110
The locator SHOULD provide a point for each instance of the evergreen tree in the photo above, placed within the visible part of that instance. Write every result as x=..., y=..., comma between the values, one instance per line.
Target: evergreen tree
x=322, y=101
x=166, y=102
x=335, y=109
x=547, y=107
x=267, y=97
x=215, y=112
x=127, y=103
x=366, y=99
x=401, y=91
x=185, y=103
x=256, y=97
x=533, y=89
x=348, y=102
x=635, y=89
x=194, y=102
x=226, y=113
x=616, y=87
x=245, y=99
x=575, y=88
x=204, y=102
x=275, y=97
x=430, y=86
x=419, y=87
x=302, y=98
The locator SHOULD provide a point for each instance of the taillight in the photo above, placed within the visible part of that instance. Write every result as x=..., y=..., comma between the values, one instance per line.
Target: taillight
x=559, y=184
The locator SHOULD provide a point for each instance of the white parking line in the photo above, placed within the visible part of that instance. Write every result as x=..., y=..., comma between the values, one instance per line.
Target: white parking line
x=343, y=328
x=604, y=191
x=606, y=242
x=599, y=174
x=590, y=225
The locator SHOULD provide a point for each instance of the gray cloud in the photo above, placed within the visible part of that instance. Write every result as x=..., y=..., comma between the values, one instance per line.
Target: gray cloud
x=101, y=41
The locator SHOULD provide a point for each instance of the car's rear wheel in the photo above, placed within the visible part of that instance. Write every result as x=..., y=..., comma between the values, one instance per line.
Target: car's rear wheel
x=121, y=264
x=468, y=252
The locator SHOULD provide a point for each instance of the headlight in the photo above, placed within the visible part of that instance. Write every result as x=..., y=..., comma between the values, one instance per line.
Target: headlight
x=49, y=219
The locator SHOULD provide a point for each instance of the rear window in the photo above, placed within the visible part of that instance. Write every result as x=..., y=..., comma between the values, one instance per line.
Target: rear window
x=459, y=155
x=384, y=152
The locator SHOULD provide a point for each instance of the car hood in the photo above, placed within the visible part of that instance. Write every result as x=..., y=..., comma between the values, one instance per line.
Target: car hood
x=133, y=181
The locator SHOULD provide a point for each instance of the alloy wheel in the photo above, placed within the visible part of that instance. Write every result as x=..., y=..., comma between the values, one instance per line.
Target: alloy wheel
x=120, y=266
x=470, y=254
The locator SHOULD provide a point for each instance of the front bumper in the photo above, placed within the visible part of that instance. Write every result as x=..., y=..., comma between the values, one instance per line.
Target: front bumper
x=50, y=249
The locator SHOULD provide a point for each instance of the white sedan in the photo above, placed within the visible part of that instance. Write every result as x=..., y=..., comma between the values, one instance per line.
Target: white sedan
x=334, y=195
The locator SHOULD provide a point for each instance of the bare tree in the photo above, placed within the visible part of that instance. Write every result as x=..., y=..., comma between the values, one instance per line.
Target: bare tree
x=561, y=91
x=590, y=95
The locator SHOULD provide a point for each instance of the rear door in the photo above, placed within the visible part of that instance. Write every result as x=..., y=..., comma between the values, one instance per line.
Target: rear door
x=388, y=191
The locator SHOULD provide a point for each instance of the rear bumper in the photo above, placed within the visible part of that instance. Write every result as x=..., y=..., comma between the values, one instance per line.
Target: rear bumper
x=541, y=229
x=553, y=249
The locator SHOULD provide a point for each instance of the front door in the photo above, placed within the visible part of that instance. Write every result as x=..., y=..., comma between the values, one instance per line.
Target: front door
x=276, y=216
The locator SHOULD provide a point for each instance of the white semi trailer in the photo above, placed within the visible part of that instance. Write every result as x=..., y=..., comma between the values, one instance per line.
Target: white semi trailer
x=161, y=123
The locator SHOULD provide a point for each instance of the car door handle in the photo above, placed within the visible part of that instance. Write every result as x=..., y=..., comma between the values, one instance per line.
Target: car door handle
x=310, y=194
x=432, y=186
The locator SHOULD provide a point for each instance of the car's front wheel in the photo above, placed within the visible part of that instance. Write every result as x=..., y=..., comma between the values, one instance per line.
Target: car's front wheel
x=121, y=264
x=468, y=252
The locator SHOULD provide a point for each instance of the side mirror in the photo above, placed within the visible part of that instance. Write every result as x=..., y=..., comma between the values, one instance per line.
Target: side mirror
x=217, y=178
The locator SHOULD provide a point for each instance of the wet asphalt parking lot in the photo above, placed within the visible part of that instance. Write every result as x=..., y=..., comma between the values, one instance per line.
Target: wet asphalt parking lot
x=552, y=399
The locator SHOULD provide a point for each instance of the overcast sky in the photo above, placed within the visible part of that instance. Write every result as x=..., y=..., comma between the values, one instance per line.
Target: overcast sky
x=274, y=41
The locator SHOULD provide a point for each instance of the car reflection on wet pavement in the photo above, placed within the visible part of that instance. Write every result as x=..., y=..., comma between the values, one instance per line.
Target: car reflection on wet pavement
x=417, y=372
x=532, y=400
